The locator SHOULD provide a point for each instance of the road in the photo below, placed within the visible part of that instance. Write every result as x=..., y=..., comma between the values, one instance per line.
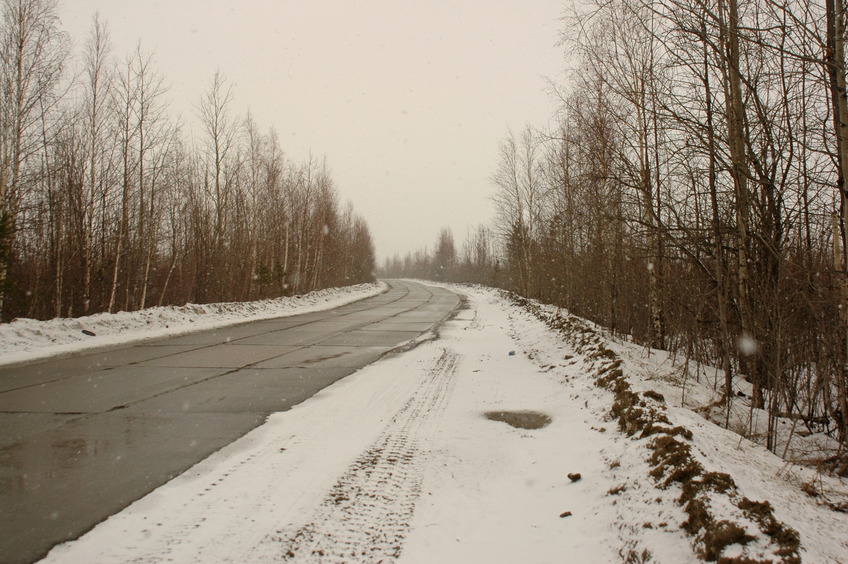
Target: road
x=83, y=437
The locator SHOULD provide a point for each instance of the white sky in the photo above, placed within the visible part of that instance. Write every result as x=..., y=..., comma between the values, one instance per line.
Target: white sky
x=407, y=100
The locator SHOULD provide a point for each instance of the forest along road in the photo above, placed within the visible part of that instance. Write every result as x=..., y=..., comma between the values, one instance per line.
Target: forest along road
x=83, y=437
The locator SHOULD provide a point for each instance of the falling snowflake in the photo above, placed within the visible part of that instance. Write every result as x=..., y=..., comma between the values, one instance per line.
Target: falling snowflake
x=747, y=345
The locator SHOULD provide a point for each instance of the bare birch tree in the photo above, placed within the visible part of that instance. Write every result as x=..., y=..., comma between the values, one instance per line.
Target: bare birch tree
x=33, y=51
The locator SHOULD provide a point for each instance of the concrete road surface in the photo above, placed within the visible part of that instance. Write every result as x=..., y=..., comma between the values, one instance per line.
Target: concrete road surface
x=83, y=437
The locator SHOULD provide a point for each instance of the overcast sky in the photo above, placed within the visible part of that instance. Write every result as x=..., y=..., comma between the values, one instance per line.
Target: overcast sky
x=407, y=100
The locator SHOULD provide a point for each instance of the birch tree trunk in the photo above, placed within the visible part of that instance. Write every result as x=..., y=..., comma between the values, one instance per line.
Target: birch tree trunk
x=126, y=133
x=835, y=62
x=739, y=171
x=97, y=74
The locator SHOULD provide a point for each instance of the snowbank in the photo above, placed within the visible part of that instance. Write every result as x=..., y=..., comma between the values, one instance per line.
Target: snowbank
x=25, y=340
x=739, y=499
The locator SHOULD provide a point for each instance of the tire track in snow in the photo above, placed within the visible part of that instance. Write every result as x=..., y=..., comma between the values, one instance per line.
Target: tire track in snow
x=367, y=512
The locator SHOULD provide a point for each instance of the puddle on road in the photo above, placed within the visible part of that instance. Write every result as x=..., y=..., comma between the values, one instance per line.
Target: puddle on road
x=520, y=419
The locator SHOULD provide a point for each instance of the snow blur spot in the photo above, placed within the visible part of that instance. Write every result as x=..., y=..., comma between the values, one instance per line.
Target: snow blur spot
x=650, y=266
x=747, y=345
x=326, y=229
x=54, y=515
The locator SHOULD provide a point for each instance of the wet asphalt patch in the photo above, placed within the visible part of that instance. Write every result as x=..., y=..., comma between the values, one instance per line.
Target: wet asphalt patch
x=520, y=419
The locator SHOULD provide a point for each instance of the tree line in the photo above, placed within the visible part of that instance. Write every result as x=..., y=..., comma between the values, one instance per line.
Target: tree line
x=692, y=195
x=107, y=204
x=477, y=261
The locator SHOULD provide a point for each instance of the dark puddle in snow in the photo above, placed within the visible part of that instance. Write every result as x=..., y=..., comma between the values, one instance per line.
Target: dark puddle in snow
x=520, y=419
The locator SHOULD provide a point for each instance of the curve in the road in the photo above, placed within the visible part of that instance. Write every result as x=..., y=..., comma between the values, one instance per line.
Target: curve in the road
x=83, y=437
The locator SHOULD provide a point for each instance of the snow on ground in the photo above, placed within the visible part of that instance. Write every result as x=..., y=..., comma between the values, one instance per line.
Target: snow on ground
x=760, y=474
x=398, y=462
x=25, y=340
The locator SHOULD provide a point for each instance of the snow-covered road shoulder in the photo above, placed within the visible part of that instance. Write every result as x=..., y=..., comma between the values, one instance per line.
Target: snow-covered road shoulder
x=26, y=340
x=739, y=499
